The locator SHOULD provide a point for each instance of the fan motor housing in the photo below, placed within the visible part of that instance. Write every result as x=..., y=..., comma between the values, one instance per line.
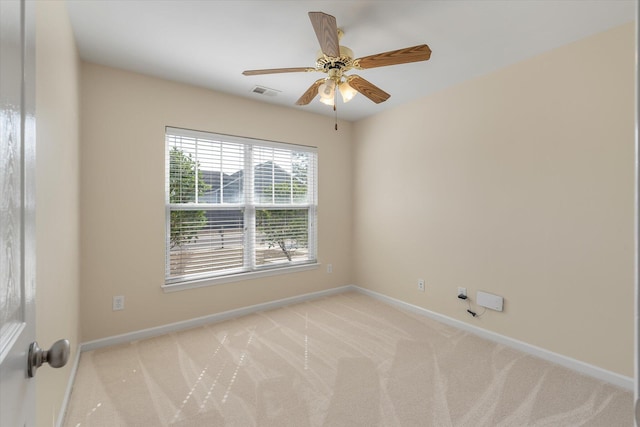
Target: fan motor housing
x=343, y=63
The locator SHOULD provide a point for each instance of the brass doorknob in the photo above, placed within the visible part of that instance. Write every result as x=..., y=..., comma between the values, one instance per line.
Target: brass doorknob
x=57, y=356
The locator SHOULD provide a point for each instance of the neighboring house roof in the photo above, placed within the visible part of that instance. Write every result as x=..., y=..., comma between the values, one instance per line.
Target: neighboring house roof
x=229, y=187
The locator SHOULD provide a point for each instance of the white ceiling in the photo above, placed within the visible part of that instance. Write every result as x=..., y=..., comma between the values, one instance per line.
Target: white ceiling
x=210, y=43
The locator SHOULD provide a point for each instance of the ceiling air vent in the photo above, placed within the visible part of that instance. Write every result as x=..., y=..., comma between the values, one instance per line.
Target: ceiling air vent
x=261, y=90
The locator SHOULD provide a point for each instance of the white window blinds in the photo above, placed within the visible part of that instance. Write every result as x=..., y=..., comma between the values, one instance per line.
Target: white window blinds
x=237, y=205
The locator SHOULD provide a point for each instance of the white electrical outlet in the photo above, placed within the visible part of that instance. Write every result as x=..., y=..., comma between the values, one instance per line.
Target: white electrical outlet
x=421, y=285
x=118, y=303
x=462, y=291
x=329, y=268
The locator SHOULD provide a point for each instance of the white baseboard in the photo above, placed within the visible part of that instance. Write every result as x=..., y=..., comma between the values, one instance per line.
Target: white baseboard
x=67, y=393
x=573, y=364
x=199, y=321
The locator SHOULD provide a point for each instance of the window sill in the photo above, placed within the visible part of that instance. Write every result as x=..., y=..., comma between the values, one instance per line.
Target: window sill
x=212, y=281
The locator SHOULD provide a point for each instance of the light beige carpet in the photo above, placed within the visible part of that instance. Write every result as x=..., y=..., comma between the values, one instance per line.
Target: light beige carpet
x=345, y=360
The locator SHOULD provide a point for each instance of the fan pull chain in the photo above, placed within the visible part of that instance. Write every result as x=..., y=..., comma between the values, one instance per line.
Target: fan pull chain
x=335, y=110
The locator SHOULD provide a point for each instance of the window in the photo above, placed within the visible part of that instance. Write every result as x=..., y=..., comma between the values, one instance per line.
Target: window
x=236, y=205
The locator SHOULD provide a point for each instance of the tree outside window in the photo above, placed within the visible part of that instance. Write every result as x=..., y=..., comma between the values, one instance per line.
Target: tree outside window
x=286, y=229
x=183, y=188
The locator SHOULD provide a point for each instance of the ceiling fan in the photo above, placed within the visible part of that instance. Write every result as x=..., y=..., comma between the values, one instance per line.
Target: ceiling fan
x=335, y=60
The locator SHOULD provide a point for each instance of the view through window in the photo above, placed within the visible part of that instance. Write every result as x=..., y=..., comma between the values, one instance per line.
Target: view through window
x=237, y=205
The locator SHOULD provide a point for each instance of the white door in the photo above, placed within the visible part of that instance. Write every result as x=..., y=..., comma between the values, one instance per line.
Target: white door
x=637, y=278
x=17, y=211
x=637, y=236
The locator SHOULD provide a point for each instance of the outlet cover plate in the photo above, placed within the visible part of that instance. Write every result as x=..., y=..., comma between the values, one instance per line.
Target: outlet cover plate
x=494, y=302
x=118, y=303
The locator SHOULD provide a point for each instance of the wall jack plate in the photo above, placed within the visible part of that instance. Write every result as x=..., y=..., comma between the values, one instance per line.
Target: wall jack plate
x=494, y=302
x=421, y=285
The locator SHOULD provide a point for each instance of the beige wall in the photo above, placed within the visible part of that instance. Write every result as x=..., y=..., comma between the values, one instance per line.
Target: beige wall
x=122, y=198
x=520, y=183
x=57, y=198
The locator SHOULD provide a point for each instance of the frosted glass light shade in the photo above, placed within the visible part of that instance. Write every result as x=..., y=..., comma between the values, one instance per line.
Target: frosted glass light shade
x=347, y=92
x=327, y=101
x=327, y=92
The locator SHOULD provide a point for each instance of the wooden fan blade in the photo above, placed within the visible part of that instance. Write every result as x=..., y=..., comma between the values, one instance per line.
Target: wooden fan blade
x=327, y=33
x=277, y=70
x=311, y=93
x=393, y=57
x=368, y=89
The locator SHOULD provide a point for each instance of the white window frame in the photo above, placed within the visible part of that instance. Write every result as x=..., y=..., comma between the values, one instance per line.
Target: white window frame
x=249, y=270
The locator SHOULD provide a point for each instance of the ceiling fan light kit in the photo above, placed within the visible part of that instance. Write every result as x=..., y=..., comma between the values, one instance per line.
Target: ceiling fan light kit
x=335, y=60
x=327, y=92
x=347, y=91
